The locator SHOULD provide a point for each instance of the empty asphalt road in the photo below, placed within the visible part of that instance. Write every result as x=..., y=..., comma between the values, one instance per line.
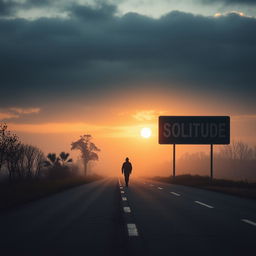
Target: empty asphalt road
x=148, y=218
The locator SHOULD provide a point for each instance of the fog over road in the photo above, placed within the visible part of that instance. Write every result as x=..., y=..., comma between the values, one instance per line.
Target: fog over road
x=148, y=218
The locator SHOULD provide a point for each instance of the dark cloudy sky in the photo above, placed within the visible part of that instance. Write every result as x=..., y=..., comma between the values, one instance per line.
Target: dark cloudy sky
x=85, y=61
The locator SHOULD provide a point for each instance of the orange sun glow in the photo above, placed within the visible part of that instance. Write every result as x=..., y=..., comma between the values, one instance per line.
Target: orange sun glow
x=145, y=132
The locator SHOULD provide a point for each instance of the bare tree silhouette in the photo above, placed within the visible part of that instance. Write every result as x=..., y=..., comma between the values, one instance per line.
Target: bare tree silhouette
x=8, y=145
x=24, y=161
x=237, y=150
x=33, y=159
x=87, y=148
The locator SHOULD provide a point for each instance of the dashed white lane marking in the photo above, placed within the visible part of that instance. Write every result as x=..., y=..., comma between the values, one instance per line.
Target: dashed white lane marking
x=249, y=222
x=132, y=229
x=121, y=187
x=122, y=192
x=127, y=209
x=206, y=205
x=160, y=188
x=176, y=194
x=124, y=198
x=151, y=185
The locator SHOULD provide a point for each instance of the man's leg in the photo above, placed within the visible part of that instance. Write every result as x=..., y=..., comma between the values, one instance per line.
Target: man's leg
x=127, y=179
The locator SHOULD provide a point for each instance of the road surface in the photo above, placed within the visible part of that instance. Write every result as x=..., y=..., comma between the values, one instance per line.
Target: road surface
x=147, y=218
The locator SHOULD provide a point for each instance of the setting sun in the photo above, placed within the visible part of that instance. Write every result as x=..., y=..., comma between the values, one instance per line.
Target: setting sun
x=145, y=132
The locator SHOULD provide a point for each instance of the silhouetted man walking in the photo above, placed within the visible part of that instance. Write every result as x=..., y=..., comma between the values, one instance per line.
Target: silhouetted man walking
x=126, y=170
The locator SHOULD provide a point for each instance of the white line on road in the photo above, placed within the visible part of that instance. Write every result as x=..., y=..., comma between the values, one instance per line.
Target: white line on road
x=151, y=185
x=249, y=222
x=127, y=209
x=160, y=188
x=121, y=187
x=176, y=194
x=132, y=229
x=124, y=198
x=206, y=205
x=122, y=192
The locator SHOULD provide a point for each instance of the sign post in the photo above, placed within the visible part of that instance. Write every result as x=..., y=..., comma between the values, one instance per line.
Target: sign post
x=200, y=130
x=173, y=163
x=211, y=162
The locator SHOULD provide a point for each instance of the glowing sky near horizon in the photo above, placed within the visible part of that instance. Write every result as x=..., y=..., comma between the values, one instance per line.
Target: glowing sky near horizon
x=110, y=68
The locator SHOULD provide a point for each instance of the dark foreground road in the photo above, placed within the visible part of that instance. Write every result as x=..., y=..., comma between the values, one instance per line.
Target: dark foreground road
x=148, y=218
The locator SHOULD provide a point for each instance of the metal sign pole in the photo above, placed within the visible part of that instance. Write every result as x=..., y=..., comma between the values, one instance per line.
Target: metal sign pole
x=201, y=130
x=211, y=162
x=173, y=162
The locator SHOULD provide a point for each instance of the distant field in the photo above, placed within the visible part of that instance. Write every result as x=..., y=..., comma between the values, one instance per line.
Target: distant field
x=238, y=188
x=18, y=193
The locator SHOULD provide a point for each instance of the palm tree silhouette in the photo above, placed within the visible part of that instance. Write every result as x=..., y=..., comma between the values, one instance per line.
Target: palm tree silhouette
x=53, y=160
x=64, y=158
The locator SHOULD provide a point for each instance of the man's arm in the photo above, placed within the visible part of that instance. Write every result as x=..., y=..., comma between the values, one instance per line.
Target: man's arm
x=131, y=169
x=122, y=168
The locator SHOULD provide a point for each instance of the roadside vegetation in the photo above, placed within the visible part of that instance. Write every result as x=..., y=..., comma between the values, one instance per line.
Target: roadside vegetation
x=234, y=170
x=27, y=174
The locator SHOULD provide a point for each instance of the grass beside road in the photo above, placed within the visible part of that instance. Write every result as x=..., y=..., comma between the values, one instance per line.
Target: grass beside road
x=18, y=193
x=237, y=188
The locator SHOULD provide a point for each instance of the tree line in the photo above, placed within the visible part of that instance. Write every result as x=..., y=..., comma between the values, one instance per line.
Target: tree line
x=22, y=161
x=234, y=161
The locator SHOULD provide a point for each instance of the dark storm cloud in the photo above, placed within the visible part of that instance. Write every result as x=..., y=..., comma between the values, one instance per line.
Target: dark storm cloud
x=242, y=2
x=104, y=12
x=9, y=7
x=39, y=2
x=94, y=51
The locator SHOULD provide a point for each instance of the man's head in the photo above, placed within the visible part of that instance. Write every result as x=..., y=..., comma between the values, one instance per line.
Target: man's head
x=127, y=159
